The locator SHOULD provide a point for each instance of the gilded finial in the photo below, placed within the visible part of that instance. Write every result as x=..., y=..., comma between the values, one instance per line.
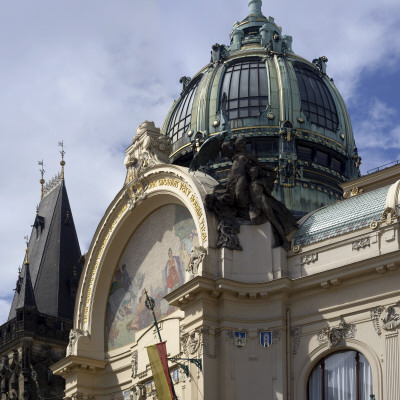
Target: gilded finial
x=42, y=181
x=62, y=162
x=27, y=250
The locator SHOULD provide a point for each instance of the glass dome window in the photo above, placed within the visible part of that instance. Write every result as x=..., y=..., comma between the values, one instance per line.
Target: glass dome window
x=316, y=100
x=180, y=118
x=245, y=84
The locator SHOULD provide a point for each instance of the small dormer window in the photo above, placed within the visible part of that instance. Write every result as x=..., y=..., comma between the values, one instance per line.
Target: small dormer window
x=38, y=225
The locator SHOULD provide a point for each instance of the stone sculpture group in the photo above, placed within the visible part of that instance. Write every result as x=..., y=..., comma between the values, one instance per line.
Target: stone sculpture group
x=246, y=198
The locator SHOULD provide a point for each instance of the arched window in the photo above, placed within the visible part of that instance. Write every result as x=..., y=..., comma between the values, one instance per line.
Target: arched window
x=344, y=375
x=316, y=100
x=245, y=84
x=180, y=119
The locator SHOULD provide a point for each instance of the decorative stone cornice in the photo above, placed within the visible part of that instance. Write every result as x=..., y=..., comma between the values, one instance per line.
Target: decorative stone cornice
x=67, y=364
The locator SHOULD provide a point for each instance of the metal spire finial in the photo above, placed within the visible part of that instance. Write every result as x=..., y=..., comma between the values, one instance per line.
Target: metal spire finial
x=27, y=249
x=62, y=162
x=42, y=181
x=255, y=7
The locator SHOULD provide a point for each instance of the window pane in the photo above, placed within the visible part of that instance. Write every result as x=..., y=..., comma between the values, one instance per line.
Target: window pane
x=247, y=89
x=180, y=120
x=263, y=84
x=365, y=379
x=305, y=153
x=234, y=89
x=315, y=384
x=335, y=378
x=253, y=82
x=322, y=158
x=336, y=165
x=340, y=376
x=316, y=100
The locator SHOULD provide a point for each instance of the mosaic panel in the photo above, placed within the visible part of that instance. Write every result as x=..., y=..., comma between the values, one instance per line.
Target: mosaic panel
x=155, y=259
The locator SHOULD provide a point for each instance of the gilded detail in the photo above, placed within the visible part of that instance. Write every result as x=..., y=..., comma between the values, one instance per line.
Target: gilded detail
x=99, y=256
x=187, y=191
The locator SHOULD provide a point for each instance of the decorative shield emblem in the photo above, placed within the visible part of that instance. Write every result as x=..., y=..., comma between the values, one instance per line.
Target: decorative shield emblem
x=175, y=375
x=127, y=394
x=240, y=339
x=149, y=388
x=266, y=338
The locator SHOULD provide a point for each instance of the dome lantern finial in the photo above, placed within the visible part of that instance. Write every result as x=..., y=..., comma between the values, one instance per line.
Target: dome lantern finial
x=255, y=7
x=26, y=262
x=42, y=181
x=62, y=162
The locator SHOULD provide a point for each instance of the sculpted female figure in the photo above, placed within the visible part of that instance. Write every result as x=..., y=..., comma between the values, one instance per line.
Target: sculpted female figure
x=238, y=178
x=263, y=204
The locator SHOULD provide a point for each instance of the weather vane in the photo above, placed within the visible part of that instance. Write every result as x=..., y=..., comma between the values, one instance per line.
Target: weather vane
x=27, y=250
x=42, y=171
x=62, y=162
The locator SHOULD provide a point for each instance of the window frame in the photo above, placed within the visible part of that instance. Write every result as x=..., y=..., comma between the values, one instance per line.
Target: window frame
x=321, y=363
x=245, y=83
x=317, y=101
x=180, y=118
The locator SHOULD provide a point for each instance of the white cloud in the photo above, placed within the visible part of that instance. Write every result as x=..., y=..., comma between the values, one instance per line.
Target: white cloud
x=4, y=309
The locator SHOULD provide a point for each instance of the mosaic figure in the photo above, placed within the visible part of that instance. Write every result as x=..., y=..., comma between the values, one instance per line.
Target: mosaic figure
x=155, y=261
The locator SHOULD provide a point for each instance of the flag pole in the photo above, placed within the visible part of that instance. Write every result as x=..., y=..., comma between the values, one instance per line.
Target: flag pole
x=150, y=305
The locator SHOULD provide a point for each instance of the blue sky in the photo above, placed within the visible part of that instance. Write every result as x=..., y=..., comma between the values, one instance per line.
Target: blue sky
x=89, y=72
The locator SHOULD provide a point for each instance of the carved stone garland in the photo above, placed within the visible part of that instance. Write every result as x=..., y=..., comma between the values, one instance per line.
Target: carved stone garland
x=134, y=363
x=295, y=333
x=336, y=336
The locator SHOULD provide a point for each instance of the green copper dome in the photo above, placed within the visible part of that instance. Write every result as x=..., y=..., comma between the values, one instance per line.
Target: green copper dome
x=287, y=108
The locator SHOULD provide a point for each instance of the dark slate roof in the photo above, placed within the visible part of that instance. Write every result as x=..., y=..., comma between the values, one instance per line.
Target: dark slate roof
x=24, y=289
x=54, y=255
x=344, y=216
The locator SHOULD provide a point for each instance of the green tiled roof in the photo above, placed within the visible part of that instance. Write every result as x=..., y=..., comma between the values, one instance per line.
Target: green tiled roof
x=345, y=216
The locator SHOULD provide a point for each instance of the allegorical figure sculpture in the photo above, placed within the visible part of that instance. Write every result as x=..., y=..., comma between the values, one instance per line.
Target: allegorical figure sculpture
x=262, y=204
x=246, y=197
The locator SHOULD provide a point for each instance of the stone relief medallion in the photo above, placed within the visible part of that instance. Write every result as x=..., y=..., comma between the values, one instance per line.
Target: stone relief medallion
x=390, y=317
x=386, y=318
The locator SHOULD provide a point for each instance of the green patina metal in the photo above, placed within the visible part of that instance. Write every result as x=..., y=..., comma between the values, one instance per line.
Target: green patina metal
x=308, y=130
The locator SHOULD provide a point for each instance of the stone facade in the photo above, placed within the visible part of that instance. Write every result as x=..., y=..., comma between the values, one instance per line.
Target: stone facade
x=311, y=301
x=30, y=343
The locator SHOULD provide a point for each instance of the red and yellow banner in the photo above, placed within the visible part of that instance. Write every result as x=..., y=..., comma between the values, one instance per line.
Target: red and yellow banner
x=159, y=366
